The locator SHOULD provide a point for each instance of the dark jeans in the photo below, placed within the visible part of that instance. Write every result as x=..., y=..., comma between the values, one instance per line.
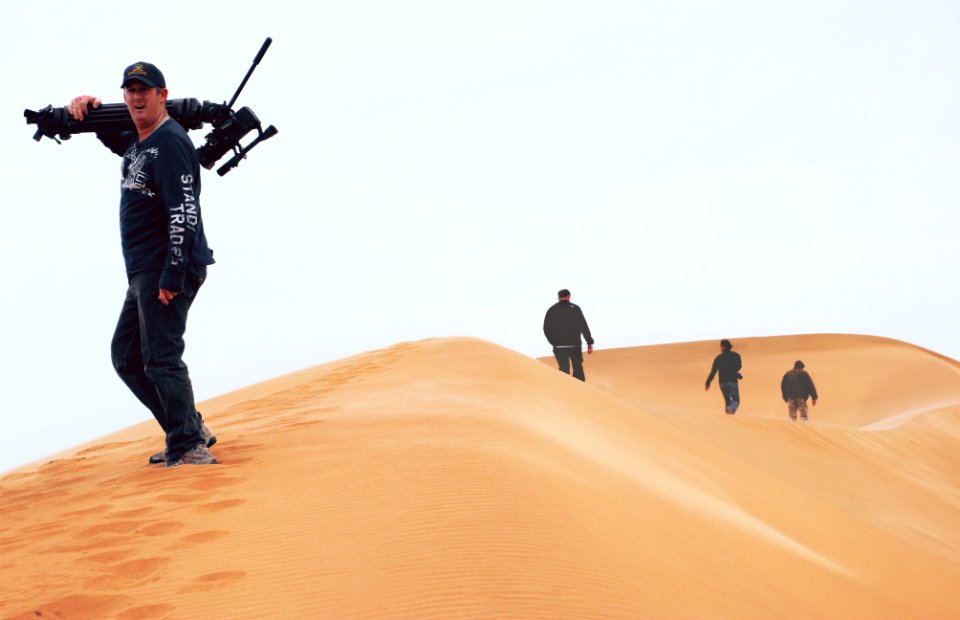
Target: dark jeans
x=731, y=395
x=566, y=355
x=147, y=351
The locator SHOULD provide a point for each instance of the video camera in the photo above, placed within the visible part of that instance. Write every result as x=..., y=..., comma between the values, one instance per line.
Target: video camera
x=229, y=127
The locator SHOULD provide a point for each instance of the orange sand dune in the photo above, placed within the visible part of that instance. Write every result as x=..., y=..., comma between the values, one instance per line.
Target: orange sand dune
x=455, y=478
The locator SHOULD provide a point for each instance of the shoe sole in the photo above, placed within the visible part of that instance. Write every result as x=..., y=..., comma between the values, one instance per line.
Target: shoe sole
x=204, y=462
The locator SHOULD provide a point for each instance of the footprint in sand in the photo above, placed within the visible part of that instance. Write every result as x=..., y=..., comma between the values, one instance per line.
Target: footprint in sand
x=105, y=447
x=207, y=536
x=221, y=505
x=109, y=557
x=182, y=498
x=45, y=529
x=55, y=467
x=66, y=482
x=237, y=453
x=80, y=605
x=211, y=581
x=127, y=574
x=19, y=477
x=110, y=527
x=137, y=512
x=215, y=482
x=241, y=448
x=162, y=528
x=146, y=612
x=98, y=509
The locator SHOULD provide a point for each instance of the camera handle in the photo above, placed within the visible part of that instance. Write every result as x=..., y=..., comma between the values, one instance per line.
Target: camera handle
x=234, y=161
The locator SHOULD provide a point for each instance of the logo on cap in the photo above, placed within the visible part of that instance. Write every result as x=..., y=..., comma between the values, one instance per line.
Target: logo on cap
x=136, y=70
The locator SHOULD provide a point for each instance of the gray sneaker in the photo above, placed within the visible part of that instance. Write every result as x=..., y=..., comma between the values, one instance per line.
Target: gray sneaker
x=208, y=438
x=197, y=456
x=205, y=434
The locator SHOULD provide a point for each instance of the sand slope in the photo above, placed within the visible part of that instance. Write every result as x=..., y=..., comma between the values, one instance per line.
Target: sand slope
x=455, y=478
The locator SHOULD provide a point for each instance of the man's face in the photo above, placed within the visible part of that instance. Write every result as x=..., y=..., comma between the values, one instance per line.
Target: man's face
x=146, y=104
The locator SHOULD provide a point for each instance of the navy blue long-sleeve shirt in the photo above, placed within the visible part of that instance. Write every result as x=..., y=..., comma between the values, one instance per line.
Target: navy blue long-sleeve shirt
x=160, y=222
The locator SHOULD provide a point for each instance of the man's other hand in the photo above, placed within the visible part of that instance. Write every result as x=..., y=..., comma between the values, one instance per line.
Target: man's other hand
x=166, y=296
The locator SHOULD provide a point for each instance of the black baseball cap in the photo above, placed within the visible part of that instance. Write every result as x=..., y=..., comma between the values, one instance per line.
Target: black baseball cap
x=144, y=72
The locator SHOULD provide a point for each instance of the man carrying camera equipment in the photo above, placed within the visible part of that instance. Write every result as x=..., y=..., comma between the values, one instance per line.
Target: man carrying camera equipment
x=166, y=255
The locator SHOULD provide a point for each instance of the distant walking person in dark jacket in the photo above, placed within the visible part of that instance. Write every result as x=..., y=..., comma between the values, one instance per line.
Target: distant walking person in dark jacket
x=797, y=387
x=728, y=364
x=562, y=326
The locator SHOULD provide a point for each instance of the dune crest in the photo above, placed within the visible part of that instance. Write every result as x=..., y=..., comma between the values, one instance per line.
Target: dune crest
x=453, y=477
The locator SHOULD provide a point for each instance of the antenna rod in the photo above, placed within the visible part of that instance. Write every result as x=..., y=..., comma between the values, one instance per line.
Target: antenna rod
x=256, y=61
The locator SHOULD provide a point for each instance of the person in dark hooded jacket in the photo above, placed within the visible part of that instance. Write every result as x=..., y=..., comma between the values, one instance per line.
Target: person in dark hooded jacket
x=796, y=387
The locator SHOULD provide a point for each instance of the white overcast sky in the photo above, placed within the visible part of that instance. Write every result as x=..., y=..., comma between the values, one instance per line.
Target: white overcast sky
x=689, y=169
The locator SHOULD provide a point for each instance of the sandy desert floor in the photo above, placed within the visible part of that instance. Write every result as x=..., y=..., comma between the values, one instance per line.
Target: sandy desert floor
x=456, y=478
